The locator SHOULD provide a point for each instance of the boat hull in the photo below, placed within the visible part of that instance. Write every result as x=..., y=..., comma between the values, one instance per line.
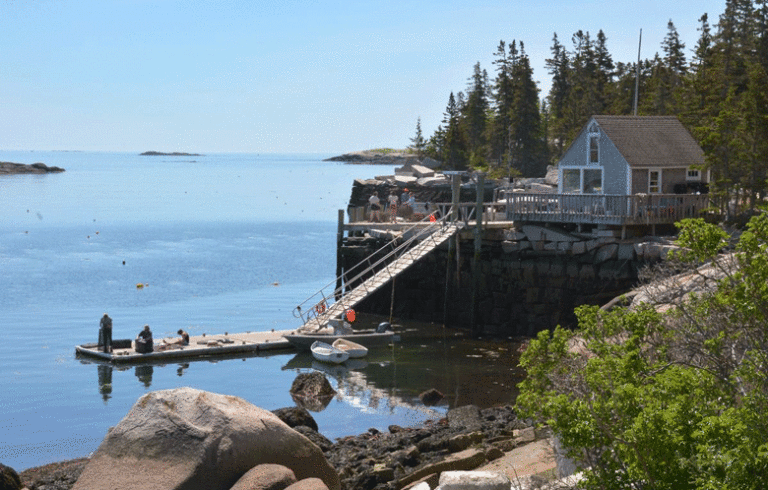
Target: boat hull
x=326, y=353
x=304, y=341
x=355, y=350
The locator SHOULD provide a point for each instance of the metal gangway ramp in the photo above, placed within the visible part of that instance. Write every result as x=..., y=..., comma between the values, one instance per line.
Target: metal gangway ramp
x=331, y=302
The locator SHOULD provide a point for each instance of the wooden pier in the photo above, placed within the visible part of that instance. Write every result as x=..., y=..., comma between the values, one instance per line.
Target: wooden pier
x=200, y=346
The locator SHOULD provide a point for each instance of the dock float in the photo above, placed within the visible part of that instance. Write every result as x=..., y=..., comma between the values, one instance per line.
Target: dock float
x=200, y=346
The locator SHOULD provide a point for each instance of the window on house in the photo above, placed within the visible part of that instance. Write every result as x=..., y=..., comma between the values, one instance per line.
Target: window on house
x=693, y=174
x=594, y=153
x=571, y=181
x=592, y=182
x=654, y=181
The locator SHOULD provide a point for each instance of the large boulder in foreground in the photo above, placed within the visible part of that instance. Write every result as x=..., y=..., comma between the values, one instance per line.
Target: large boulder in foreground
x=188, y=439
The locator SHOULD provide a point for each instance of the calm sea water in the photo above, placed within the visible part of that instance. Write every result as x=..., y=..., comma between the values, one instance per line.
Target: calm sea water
x=225, y=242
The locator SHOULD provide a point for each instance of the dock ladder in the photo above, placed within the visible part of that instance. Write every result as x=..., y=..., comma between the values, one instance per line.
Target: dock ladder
x=330, y=302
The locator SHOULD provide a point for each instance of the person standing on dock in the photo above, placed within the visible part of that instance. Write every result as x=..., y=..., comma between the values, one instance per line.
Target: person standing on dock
x=105, y=332
x=375, y=206
x=392, y=206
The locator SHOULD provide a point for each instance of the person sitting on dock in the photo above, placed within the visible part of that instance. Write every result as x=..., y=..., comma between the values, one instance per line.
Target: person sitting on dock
x=105, y=333
x=144, y=341
x=184, y=340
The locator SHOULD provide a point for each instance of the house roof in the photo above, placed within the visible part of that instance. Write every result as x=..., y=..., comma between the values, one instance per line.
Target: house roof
x=652, y=141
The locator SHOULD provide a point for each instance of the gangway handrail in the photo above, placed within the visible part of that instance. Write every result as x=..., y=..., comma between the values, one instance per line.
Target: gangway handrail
x=320, y=301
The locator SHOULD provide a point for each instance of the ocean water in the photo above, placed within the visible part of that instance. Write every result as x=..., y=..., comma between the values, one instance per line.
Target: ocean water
x=223, y=242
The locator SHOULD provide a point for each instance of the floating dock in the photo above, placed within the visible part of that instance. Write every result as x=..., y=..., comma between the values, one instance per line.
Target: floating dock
x=200, y=346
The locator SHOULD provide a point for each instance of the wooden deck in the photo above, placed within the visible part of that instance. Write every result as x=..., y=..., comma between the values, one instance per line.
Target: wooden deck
x=617, y=210
x=595, y=209
x=201, y=347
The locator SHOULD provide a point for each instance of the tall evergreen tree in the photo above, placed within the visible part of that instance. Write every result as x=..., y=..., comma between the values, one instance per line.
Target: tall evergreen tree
x=526, y=140
x=558, y=66
x=454, y=146
x=418, y=143
x=503, y=97
x=476, y=110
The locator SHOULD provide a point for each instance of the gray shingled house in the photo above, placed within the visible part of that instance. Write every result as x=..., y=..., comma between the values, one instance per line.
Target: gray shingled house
x=623, y=171
x=632, y=155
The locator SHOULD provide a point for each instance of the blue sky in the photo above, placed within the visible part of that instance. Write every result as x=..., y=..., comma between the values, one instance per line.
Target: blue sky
x=270, y=76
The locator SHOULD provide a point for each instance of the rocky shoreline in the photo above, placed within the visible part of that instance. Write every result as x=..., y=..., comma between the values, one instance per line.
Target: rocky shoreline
x=467, y=439
x=10, y=168
x=171, y=154
x=377, y=157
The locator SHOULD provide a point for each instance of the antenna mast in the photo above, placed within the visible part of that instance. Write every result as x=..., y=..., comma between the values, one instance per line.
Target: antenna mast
x=637, y=69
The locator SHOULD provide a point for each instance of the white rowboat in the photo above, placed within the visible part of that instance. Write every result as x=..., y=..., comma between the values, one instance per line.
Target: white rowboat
x=328, y=353
x=354, y=349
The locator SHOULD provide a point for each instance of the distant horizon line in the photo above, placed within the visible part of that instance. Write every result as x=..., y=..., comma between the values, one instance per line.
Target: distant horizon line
x=197, y=153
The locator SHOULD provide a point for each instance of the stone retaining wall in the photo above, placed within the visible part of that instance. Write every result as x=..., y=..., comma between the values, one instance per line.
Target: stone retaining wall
x=529, y=279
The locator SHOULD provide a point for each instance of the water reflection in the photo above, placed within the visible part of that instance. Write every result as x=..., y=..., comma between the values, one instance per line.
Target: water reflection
x=467, y=371
x=144, y=373
x=104, y=372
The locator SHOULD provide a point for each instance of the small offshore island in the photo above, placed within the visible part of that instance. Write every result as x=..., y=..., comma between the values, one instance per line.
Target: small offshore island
x=380, y=156
x=172, y=154
x=10, y=168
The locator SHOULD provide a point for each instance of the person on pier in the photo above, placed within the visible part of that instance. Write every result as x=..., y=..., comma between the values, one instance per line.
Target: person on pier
x=392, y=206
x=105, y=333
x=375, y=207
x=184, y=340
x=144, y=343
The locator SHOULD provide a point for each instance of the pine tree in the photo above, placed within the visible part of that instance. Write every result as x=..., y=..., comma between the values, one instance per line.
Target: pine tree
x=503, y=96
x=418, y=143
x=526, y=140
x=558, y=66
x=454, y=147
x=475, y=110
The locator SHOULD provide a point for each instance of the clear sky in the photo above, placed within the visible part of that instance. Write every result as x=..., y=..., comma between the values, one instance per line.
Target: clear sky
x=264, y=76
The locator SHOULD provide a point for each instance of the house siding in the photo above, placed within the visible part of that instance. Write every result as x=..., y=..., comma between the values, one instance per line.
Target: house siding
x=639, y=180
x=672, y=176
x=610, y=160
x=614, y=167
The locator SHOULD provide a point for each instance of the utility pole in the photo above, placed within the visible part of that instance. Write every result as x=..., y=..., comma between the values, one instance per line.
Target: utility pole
x=637, y=69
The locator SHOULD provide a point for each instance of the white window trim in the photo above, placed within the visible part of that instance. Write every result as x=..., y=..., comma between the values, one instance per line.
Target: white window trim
x=581, y=170
x=693, y=178
x=661, y=177
x=593, y=135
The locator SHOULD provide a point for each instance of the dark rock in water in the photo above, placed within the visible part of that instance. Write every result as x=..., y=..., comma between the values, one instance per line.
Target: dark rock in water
x=9, y=168
x=431, y=397
x=466, y=417
x=172, y=154
x=311, y=384
x=296, y=416
x=9, y=479
x=312, y=391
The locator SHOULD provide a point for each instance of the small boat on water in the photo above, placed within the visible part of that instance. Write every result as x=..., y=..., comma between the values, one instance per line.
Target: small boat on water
x=355, y=350
x=383, y=335
x=328, y=353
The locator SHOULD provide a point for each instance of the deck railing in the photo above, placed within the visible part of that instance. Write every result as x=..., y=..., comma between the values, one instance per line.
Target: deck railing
x=638, y=209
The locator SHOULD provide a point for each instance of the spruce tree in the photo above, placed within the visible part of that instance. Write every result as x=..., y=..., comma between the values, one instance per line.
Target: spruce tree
x=418, y=143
